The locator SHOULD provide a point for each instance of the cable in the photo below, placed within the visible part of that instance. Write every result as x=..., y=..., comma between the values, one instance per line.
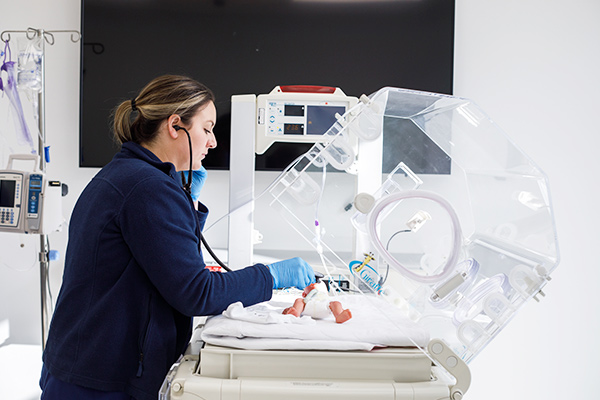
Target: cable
x=48, y=277
x=187, y=186
x=387, y=247
x=317, y=224
x=214, y=256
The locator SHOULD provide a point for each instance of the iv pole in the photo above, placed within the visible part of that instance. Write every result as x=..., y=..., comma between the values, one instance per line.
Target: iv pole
x=47, y=36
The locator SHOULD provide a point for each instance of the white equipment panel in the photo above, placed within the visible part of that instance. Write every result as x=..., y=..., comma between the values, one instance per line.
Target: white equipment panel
x=296, y=114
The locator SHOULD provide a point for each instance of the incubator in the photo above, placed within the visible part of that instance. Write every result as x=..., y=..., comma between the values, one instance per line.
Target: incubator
x=426, y=219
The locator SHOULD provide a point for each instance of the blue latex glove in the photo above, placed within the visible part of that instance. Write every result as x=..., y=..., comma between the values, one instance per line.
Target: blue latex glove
x=293, y=272
x=198, y=178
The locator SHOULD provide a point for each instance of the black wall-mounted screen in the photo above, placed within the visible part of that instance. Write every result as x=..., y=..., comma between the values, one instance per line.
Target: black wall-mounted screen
x=251, y=46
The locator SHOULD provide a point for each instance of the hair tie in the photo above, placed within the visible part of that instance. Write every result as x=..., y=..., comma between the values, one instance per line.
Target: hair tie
x=133, y=107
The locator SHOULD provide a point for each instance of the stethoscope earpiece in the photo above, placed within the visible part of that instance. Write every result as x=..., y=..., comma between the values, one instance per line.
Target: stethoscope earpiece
x=187, y=186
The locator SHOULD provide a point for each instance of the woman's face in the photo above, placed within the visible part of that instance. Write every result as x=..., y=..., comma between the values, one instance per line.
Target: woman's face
x=201, y=134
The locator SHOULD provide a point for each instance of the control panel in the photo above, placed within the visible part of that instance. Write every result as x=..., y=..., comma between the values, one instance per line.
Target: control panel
x=300, y=118
x=298, y=114
x=33, y=201
x=11, y=190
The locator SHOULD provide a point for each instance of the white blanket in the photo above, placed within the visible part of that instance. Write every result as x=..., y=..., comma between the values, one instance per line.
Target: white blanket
x=374, y=323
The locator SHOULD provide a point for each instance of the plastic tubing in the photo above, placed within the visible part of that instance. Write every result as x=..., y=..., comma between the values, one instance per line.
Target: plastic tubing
x=415, y=194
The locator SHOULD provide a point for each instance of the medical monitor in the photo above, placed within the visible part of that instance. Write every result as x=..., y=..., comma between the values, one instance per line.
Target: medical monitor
x=237, y=47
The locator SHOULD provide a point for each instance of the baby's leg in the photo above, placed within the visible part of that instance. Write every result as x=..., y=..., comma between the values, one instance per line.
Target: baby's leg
x=296, y=309
x=339, y=313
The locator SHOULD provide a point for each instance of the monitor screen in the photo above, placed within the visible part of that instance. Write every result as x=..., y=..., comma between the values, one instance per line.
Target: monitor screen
x=249, y=47
x=7, y=193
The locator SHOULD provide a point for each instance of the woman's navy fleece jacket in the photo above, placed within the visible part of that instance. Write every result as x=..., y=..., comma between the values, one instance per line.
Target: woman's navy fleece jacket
x=134, y=277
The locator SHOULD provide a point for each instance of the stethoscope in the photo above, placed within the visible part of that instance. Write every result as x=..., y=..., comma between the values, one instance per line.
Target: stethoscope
x=187, y=186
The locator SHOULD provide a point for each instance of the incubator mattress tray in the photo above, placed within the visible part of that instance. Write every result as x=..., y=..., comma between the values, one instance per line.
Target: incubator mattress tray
x=219, y=373
x=396, y=364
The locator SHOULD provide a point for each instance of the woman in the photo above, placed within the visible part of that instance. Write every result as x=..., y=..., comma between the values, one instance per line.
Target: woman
x=134, y=275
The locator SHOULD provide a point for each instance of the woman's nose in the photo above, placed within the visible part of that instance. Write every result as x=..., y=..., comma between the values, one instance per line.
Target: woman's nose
x=212, y=141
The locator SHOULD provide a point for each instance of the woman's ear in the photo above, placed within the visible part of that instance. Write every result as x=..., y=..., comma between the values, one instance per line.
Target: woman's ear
x=172, y=121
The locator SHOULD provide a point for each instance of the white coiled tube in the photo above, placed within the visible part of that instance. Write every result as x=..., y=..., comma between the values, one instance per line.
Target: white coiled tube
x=456, y=241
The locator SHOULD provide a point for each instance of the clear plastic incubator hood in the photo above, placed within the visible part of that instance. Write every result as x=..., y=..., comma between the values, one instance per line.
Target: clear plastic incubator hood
x=421, y=200
x=427, y=223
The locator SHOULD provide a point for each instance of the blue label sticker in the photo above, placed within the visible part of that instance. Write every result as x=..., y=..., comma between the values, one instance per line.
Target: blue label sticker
x=366, y=274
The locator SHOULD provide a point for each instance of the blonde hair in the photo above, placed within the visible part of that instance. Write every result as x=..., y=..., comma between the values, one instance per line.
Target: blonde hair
x=158, y=100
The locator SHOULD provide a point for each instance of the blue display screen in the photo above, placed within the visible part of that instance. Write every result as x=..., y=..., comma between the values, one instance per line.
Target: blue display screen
x=320, y=118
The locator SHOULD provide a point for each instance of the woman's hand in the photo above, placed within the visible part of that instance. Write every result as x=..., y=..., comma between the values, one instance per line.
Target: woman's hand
x=292, y=272
x=198, y=179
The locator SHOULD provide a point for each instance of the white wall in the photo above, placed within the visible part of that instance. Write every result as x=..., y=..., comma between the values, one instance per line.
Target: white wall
x=531, y=65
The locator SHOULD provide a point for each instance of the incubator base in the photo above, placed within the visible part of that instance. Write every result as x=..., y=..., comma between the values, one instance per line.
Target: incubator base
x=212, y=372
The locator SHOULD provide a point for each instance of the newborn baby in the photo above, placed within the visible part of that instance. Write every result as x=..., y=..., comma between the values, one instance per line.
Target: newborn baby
x=315, y=303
